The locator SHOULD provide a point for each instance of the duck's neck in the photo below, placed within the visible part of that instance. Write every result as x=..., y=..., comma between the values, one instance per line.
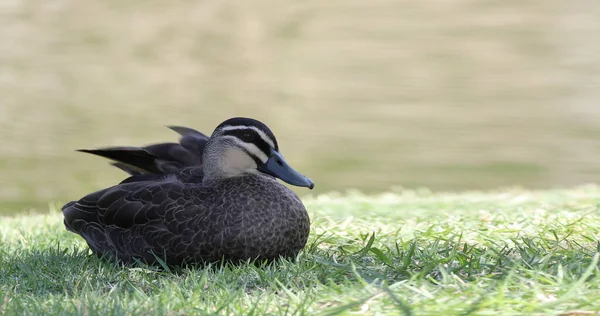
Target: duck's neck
x=221, y=160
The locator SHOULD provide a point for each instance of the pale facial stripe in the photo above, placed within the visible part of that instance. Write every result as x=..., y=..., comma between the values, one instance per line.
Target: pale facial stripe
x=262, y=134
x=251, y=148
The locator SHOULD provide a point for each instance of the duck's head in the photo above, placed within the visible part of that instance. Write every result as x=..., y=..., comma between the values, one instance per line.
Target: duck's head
x=244, y=145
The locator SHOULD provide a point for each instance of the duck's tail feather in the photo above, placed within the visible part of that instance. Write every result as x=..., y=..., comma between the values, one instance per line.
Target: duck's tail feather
x=133, y=160
x=157, y=158
x=129, y=169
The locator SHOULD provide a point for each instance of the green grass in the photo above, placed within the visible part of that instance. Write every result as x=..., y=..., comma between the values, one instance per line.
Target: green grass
x=409, y=252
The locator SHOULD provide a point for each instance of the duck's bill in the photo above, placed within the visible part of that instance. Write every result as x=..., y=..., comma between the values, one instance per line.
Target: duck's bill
x=277, y=167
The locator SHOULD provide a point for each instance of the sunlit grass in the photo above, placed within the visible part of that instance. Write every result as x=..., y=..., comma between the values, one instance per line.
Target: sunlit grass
x=410, y=252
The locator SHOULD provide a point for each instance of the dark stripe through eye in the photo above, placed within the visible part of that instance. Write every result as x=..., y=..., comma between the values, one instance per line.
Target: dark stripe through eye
x=252, y=137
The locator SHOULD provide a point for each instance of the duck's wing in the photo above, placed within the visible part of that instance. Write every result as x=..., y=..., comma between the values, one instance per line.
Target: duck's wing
x=133, y=220
x=191, y=139
x=185, y=175
x=163, y=158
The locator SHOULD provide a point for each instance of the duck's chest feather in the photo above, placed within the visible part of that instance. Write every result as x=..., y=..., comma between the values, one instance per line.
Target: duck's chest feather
x=235, y=219
x=250, y=216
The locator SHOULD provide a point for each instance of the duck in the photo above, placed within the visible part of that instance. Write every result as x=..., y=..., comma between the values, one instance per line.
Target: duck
x=200, y=200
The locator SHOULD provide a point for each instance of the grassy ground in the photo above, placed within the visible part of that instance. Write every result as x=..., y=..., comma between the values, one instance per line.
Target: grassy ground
x=411, y=252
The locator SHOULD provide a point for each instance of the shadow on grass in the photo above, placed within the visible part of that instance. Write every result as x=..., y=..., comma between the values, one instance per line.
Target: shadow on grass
x=369, y=260
x=327, y=260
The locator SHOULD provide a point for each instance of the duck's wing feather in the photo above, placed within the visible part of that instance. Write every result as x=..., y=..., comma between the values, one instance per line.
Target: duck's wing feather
x=191, y=139
x=130, y=220
x=160, y=158
x=185, y=175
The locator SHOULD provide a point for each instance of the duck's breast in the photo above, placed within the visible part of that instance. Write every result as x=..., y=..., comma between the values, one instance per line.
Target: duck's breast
x=257, y=217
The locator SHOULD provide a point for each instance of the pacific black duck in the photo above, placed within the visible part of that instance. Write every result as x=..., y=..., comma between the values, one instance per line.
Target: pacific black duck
x=204, y=199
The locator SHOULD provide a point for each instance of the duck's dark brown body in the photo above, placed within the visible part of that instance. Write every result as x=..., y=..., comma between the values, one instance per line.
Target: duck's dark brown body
x=239, y=218
x=204, y=199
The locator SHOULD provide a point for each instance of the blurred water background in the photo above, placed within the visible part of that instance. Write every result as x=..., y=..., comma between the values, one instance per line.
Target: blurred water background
x=448, y=95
